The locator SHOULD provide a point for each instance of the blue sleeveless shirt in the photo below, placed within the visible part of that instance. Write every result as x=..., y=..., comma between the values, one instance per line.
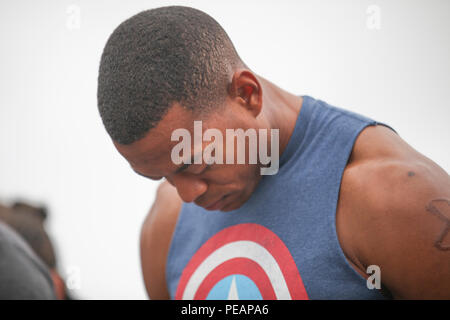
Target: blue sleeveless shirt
x=282, y=243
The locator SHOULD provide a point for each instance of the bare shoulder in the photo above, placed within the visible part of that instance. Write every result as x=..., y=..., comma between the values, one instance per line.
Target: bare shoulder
x=156, y=235
x=394, y=213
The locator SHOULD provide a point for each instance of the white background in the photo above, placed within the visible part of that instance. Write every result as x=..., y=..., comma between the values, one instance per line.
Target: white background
x=54, y=149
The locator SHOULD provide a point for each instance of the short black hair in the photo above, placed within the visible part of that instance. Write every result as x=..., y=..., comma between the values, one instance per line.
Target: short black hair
x=158, y=57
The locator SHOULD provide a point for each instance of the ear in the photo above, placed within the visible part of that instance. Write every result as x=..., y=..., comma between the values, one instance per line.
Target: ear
x=246, y=90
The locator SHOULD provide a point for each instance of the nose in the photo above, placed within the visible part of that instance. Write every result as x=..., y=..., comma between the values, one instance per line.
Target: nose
x=189, y=187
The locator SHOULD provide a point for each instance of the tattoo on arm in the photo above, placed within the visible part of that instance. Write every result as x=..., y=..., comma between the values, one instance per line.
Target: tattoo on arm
x=441, y=208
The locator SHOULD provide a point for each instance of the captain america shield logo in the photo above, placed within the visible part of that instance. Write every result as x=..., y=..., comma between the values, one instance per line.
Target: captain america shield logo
x=245, y=261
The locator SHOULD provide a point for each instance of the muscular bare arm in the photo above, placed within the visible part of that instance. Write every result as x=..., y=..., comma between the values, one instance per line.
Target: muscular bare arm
x=397, y=216
x=156, y=235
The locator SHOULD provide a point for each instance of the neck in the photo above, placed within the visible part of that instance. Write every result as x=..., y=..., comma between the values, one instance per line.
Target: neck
x=280, y=110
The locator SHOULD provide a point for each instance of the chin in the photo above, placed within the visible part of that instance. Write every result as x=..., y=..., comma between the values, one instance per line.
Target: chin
x=235, y=204
x=229, y=208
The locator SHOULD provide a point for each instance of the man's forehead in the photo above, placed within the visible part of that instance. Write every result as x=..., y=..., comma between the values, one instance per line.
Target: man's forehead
x=157, y=144
x=149, y=149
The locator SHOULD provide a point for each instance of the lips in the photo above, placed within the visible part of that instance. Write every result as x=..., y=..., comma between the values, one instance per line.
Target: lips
x=216, y=205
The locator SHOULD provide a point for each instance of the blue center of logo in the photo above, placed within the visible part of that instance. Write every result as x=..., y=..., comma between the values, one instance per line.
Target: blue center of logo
x=235, y=287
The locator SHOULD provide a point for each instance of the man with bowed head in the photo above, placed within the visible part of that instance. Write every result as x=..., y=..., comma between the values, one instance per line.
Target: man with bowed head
x=353, y=211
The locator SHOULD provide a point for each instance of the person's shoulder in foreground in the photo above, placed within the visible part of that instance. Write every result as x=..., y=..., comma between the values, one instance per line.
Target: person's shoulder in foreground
x=23, y=275
x=29, y=222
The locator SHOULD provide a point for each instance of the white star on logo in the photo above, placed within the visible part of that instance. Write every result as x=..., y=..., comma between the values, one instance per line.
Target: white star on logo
x=233, y=292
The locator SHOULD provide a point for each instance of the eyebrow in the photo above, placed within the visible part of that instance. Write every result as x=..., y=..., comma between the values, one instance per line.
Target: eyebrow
x=180, y=169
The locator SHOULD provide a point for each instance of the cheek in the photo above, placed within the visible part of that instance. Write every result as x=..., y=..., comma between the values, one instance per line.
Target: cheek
x=247, y=177
x=234, y=177
x=251, y=173
x=243, y=173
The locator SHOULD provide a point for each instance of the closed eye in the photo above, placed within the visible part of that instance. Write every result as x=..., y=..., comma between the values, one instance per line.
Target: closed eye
x=195, y=170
